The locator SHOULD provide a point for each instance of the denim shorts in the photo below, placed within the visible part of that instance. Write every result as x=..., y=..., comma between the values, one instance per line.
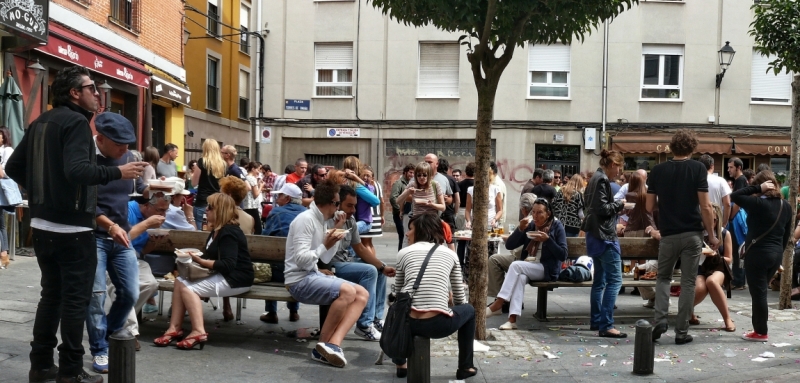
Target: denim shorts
x=317, y=289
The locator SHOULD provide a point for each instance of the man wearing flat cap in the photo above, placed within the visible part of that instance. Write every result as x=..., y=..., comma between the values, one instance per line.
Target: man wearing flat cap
x=56, y=161
x=115, y=255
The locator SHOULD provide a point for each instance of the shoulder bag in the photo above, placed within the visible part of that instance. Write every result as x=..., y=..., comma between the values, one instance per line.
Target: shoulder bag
x=192, y=271
x=396, y=339
x=743, y=249
x=9, y=193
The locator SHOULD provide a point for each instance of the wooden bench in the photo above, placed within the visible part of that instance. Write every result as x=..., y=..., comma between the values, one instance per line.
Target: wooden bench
x=631, y=249
x=263, y=249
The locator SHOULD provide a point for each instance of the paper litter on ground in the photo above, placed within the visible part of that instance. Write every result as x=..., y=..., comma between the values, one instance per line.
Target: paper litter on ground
x=766, y=354
x=550, y=355
x=759, y=359
x=781, y=344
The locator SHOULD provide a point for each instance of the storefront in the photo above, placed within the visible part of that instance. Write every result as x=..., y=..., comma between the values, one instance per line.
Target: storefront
x=23, y=23
x=121, y=81
x=643, y=151
x=169, y=97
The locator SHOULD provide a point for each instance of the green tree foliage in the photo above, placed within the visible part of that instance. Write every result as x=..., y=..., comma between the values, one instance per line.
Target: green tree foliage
x=492, y=31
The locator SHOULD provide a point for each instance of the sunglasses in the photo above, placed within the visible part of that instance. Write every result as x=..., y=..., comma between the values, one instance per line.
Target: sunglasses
x=542, y=201
x=210, y=208
x=337, y=203
x=421, y=175
x=92, y=86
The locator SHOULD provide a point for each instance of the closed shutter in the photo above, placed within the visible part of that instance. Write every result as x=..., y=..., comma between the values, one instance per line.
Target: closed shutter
x=669, y=50
x=244, y=16
x=438, y=70
x=548, y=58
x=244, y=84
x=213, y=2
x=334, y=56
x=766, y=86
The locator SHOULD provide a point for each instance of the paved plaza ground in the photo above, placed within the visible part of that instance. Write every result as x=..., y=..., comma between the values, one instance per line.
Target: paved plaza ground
x=561, y=350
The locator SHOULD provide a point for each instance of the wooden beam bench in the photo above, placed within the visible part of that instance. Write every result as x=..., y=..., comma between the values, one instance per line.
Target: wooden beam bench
x=631, y=249
x=263, y=249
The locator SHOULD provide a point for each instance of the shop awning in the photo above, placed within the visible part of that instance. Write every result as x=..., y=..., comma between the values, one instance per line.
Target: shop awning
x=73, y=47
x=763, y=145
x=659, y=143
x=167, y=87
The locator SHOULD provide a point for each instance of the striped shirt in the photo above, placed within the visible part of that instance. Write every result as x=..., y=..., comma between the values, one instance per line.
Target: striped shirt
x=433, y=293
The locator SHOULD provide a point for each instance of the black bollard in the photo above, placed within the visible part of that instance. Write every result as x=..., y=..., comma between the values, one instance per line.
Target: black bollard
x=643, y=349
x=122, y=357
x=419, y=364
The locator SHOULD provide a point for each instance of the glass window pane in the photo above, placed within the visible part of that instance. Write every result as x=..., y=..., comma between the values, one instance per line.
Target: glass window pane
x=559, y=78
x=324, y=75
x=549, y=91
x=661, y=93
x=345, y=75
x=335, y=90
x=539, y=77
x=672, y=66
x=651, y=69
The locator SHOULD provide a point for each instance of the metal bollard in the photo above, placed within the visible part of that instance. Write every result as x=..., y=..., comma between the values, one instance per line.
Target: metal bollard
x=122, y=357
x=643, y=349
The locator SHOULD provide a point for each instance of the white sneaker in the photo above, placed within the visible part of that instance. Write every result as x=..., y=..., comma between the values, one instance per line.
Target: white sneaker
x=490, y=313
x=100, y=364
x=370, y=333
x=508, y=326
x=332, y=353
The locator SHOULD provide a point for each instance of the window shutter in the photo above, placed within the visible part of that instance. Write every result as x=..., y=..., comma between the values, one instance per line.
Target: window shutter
x=244, y=17
x=766, y=85
x=669, y=50
x=548, y=58
x=438, y=70
x=334, y=56
x=213, y=2
x=244, y=84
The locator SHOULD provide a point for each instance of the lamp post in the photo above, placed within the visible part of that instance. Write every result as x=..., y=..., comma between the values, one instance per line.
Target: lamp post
x=725, y=58
x=106, y=92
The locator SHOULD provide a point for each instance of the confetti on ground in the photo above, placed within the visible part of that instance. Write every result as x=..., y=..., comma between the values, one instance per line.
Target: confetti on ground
x=729, y=353
x=525, y=375
x=627, y=363
x=759, y=359
x=698, y=369
x=603, y=345
x=614, y=374
x=549, y=355
x=781, y=344
x=602, y=363
x=660, y=360
x=766, y=354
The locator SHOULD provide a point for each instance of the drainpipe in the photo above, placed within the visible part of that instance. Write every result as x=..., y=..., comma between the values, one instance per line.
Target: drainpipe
x=605, y=83
x=256, y=134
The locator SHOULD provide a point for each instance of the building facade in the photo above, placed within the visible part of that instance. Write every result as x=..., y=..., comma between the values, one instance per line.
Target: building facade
x=218, y=66
x=344, y=79
x=132, y=48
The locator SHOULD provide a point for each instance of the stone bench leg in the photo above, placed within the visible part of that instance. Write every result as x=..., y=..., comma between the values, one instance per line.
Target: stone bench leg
x=419, y=364
x=541, y=304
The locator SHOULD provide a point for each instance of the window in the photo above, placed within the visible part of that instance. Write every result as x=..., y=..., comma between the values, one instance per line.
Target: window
x=662, y=72
x=334, y=70
x=213, y=18
x=767, y=87
x=242, y=152
x=548, y=69
x=438, y=70
x=212, y=81
x=244, y=22
x=244, y=95
x=125, y=13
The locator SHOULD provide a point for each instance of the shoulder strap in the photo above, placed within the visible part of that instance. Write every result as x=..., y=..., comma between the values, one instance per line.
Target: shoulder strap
x=780, y=210
x=424, y=266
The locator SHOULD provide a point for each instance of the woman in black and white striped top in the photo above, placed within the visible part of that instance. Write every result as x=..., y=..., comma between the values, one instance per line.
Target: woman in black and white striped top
x=431, y=315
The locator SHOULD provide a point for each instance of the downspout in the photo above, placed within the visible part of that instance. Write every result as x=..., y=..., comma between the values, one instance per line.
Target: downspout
x=605, y=83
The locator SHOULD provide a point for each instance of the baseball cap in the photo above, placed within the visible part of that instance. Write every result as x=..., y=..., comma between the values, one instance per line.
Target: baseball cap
x=115, y=127
x=291, y=190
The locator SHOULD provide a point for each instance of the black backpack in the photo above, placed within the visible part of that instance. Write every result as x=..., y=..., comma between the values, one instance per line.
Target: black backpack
x=575, y=273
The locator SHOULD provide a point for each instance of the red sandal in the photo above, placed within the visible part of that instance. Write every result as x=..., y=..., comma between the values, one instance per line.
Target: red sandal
x=167, y=338
x=187, y=343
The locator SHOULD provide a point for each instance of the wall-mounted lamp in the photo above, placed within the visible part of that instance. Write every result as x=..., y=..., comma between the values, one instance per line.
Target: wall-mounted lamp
x=105, y=92
x=185, y=36
x=725, y=58
x=36, y=67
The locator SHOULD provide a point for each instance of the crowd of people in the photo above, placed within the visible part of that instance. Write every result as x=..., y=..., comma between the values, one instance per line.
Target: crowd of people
x=93, y=211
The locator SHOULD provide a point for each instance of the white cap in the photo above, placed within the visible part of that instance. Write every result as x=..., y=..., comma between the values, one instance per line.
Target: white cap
x=291, y=190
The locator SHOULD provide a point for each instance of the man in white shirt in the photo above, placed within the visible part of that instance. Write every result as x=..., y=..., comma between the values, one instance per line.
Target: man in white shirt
x=307, y=243
x=623, y=190
x=718, y=190
x=176, y=215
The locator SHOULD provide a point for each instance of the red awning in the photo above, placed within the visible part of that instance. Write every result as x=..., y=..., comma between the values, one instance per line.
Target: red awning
x=659, y=143
x=73, y=47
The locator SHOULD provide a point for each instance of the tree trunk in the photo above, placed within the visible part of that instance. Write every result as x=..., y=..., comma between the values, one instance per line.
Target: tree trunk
x=478, y=250
x=794, y=178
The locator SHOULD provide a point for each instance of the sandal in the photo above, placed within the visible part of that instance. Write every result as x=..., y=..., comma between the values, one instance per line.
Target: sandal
x=191, y=341
x=463, y=373
x=167, y=338
x=694, y=321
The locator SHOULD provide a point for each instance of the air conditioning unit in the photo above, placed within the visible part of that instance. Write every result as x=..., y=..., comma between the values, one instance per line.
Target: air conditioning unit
x=590, y=138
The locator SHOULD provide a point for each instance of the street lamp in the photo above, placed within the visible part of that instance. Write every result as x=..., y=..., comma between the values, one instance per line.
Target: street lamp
x=105, y=89
x=36, y=67
x=725, y=58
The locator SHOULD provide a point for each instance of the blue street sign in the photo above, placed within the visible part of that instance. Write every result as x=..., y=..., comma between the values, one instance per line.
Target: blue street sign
x=302, y=105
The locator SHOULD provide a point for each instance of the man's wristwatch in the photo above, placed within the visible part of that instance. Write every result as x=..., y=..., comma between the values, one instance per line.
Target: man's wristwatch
x=383, y=266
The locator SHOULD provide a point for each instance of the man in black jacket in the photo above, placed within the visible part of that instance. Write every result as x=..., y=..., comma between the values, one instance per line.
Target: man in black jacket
x=56, y=162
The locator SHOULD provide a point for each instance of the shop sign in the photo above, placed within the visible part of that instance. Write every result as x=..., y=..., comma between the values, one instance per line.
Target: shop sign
x=344, y=132
x=25, y=17
x=96, y=61
x=169, y=91
x=301, y=105
x=779, y=149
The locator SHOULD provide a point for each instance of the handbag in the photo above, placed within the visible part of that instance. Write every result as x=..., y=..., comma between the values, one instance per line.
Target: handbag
x=743, y=249
x=10, y=195
x=396, y=339
x=192, y=271
x=262, y=272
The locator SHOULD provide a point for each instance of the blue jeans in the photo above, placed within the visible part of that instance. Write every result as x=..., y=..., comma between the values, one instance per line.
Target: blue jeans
x=123, y=269
x=198, y=216
x=368, y=277
x=272, y=306
x=605, y=287
x=363, y=227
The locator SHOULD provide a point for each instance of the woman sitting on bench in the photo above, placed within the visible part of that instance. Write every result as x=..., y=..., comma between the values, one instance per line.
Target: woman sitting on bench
x=544, y=240
x=225, y=253
x=430, y=314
